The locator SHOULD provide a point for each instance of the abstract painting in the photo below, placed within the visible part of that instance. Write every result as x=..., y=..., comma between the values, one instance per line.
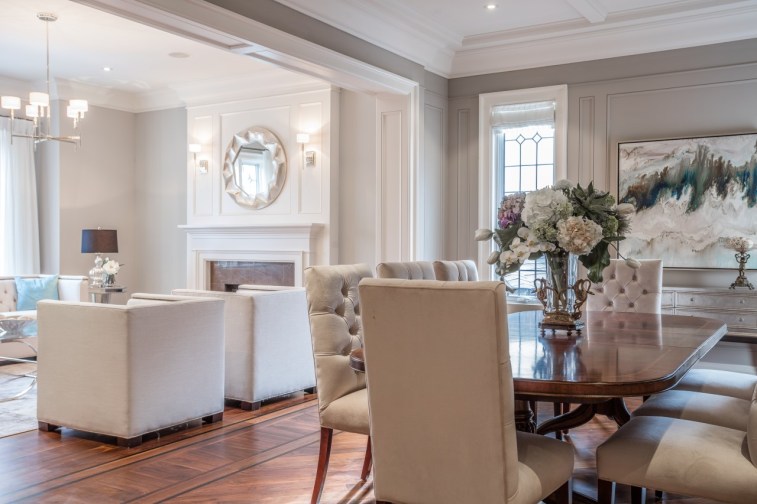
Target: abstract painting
x=689, y=193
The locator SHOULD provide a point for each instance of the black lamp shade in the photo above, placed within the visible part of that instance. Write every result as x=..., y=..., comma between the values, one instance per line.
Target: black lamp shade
x=99, y=241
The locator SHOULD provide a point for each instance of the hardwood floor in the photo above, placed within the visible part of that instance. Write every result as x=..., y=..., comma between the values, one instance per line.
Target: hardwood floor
x=265, y=456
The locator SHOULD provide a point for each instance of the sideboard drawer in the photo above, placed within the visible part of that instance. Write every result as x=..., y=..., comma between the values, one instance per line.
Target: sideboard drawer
x=704, y=300
x=731, y=318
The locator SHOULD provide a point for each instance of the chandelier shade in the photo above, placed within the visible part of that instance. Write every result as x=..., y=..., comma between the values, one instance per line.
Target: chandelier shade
x=38, y=108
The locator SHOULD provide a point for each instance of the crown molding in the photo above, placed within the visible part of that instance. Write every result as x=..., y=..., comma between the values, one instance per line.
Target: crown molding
x=625, y=35
x=390, y=25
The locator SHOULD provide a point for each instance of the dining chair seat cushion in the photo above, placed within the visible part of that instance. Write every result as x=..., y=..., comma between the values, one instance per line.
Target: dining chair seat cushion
x=721, y=382
x=348, y=413
x=712, y=409
x=680, y=456
x=544, y=464
x=407, y=270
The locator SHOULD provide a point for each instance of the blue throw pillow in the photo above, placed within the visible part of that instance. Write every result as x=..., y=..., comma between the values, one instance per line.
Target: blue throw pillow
x=31, y=290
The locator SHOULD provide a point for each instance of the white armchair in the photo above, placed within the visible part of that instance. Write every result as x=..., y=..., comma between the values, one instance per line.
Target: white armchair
x=268, y=352
x=125, y=371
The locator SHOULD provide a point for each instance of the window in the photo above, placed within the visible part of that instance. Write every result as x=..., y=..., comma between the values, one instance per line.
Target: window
x=526, y=147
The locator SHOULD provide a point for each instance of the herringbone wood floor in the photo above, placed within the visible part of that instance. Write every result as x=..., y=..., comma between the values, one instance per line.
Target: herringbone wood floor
x=267, y=456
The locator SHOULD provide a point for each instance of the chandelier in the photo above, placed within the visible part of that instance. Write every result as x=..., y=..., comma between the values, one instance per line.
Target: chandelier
x=38, y=109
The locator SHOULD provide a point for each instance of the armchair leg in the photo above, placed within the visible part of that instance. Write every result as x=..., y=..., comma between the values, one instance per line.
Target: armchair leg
x=47, y=427
x=249, y=406
x=217, y=417
x=129, y=442
x=311, y=390
x=605, y=492
x=323, y=463
x=368, y=462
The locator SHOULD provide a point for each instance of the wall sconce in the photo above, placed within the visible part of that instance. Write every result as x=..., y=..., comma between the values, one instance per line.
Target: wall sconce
x=203, y=164
x=308, y=157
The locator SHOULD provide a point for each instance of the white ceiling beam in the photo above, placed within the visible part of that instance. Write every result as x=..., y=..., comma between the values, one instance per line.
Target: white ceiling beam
x=592, y=10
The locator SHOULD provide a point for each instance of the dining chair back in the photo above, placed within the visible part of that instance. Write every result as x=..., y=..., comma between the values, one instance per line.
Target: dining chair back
x=457, y=442
x=625, y=289
x=335, y=328
x=408, y=270
x=456, y=271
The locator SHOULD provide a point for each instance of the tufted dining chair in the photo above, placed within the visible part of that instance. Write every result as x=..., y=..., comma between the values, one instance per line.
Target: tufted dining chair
x=335, y=328
x=408, y=270
x=428, y=447
x=455, y=271
x=625, y=289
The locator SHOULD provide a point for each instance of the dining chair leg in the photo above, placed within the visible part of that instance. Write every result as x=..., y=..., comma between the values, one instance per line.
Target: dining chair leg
x=638, y=495
x=368, y=462
x=605, y=492
x=557, y=409
x=658, y=495
x=323, y=463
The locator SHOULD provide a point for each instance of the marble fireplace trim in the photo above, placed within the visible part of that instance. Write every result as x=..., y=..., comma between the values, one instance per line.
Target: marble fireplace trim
x=276, y=243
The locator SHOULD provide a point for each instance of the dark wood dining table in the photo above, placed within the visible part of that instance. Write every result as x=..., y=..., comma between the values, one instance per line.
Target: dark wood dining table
x=615, y=355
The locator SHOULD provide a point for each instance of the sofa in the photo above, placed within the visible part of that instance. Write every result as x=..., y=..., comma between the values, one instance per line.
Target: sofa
x=70, y=288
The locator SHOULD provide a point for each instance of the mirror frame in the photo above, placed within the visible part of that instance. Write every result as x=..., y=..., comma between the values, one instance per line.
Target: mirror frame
x=265, y=137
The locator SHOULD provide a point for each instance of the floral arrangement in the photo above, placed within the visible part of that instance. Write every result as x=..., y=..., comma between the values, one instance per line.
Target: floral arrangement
x=111, y=267
x=738, y=244
x=558, y=219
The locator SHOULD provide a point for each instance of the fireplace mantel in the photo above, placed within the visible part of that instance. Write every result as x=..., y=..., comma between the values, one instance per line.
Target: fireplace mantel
x=254, y=242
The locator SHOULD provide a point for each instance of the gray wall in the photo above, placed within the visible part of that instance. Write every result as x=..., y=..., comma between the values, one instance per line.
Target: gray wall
x=160, y=200
x=711, y=91
x=97, y=189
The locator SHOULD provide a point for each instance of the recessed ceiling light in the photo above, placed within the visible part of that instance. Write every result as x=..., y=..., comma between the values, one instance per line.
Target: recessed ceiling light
x=491, y=6
x=178, y=55
x=107, y=69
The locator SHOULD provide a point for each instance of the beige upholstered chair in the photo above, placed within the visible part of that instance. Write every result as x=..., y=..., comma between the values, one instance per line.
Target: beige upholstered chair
x=697, y=459
x=717, y=381
x=410, y=270
x=455, y=442
x=125, y=371
x=267, y=345
x=453, y=271
x=625, y=289
x=714, y=409
x=335, y=328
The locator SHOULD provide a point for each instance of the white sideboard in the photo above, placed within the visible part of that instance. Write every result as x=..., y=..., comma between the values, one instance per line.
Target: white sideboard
x=737, y=308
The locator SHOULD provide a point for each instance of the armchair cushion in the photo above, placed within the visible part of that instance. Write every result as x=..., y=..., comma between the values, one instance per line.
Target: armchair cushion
x=713, y=409
x=718, y=381
x=456, y=271
x=31, y=290
x=410, y=270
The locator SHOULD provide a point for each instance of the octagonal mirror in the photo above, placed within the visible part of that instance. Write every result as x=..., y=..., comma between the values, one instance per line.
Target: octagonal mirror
x=255, y=167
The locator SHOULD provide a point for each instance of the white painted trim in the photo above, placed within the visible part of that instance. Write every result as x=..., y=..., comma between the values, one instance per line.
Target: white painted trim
x=216, y=26
x=592, y=10
x=486, y=189
x=620, y=35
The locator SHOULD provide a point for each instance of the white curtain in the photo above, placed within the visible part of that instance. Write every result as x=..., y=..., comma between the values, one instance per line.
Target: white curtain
x=19, y=227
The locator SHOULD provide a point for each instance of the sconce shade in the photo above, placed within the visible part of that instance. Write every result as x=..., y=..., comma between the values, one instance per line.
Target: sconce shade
x=303, y=138
x=99, y=241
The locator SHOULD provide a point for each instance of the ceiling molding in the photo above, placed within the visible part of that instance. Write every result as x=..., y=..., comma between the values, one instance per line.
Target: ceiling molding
x=619, y=36
x=390, y=25
x=592, y=10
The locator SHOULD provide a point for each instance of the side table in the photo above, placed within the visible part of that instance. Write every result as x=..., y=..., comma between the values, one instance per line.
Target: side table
x=102, y=294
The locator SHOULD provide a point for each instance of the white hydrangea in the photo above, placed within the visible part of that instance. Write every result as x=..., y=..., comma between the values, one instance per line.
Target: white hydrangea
x=545, y=205
x=578, y=234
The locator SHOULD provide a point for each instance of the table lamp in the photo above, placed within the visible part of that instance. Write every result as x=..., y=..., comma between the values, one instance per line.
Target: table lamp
x=98, y=241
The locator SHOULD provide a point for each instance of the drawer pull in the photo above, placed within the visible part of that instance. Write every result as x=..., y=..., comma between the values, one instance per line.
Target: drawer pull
x=741, y=301
x=741, y=319
x=692, y=300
